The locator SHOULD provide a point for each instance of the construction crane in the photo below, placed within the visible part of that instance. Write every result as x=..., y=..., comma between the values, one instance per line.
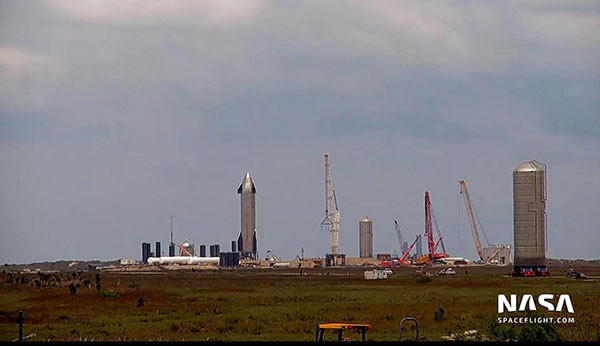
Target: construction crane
x=272, y=256
x=402, y=260
x=399, y=234
x=433, y=255
x=473, y=222
x=332, y=214
x=183, y=249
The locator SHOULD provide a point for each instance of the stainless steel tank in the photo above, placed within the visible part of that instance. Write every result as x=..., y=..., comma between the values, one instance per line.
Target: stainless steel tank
x=529, y=202
x=247, y=239
x=365, y=237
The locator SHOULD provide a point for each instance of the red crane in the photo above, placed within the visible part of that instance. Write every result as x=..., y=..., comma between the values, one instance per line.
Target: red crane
x=402, y=260
x=429, y=232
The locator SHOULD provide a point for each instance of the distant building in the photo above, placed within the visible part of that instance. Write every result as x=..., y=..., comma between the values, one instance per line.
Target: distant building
x=498, y=254
x=126, y=261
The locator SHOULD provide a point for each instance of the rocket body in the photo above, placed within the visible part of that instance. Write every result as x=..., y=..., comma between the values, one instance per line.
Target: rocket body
x=247, y=238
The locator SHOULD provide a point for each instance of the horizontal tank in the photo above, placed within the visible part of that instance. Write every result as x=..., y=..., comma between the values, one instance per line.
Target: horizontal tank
x=529, y=203
x=183, y=260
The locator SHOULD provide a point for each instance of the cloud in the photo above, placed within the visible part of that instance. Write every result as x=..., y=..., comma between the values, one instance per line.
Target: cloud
x=25, y=76
x=156, y=12
x=152, y=109
x=474, y=37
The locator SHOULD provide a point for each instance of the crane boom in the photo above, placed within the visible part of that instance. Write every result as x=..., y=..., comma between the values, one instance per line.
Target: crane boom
x=402, y=260
x=273, y=256
x=428, y=231
x=470, y=214
x=398, y=233
x=437, y=229
x=489, y=260
x=433, y=255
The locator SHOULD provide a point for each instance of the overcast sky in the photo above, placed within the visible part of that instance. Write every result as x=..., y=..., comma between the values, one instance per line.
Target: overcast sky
x=116, y=115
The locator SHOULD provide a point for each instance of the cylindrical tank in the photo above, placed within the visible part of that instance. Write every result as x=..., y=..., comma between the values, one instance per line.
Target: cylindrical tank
x=202, y=250
x=365, y=237
x=158, y=250
x=529, y=203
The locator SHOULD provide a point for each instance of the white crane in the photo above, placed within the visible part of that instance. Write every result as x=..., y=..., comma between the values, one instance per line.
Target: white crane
x=332, y=214
x=399, y=234
x=471, y=215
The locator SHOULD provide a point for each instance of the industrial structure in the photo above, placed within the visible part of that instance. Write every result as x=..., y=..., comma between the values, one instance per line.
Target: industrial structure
x=432, y=245
x=365, y=238
x=229, y=259
x=530, y=233
x=492, y=254
x=404, y=259
x=215, y=250
x=145, y=252
x=247, y=239
x=332, y=220
x=157, y=251
x=498, y=254
x=530, y=227
x=186, y=249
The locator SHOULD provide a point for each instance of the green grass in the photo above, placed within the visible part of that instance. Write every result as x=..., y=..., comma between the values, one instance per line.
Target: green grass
x=267, y=305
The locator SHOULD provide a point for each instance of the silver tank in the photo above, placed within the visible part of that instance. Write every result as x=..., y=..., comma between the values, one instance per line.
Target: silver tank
x=365, y=237
x=529, y=202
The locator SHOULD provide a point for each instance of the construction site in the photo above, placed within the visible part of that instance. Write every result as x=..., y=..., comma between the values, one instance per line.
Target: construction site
x=215, y=295
x=526, y=257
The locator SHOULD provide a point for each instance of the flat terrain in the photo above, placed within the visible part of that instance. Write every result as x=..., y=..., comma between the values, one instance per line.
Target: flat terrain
x=281, y=304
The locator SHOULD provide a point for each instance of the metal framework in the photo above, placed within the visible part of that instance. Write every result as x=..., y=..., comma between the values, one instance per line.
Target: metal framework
x=332, y=214
x=433, y=255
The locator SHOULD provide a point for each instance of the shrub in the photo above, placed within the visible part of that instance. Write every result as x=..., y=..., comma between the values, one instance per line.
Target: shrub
x=423, y=279
x=438, y=315
x=72, y=289
x=540, y=332
x=111, y=295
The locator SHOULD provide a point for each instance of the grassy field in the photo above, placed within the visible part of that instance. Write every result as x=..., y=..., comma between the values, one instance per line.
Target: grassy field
x=280, y=305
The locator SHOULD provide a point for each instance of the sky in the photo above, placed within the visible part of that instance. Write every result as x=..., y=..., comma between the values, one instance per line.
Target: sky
x=117, y=115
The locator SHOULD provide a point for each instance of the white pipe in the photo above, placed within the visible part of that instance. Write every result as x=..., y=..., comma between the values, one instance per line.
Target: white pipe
x=183, y=260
